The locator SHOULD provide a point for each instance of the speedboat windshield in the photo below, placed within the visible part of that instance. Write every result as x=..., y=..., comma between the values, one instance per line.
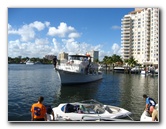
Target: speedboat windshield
x=87, y=107
x=92, y=102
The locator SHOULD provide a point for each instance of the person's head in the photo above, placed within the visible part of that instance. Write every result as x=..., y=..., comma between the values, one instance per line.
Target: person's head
x=145, y=96
x=40, y=99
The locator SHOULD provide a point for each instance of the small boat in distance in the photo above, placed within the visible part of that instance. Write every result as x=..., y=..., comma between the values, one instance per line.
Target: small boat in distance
x=28, y=62
x=90, y=110
x=77, y=70
x=121, y=69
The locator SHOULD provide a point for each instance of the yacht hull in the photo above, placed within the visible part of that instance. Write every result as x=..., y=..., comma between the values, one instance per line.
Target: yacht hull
x=68, y=78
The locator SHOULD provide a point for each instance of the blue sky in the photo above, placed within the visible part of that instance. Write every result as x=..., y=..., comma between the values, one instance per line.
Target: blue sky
x=36, y=32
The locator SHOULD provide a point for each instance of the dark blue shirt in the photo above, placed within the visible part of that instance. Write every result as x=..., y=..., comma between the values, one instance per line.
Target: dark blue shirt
x=150, y=101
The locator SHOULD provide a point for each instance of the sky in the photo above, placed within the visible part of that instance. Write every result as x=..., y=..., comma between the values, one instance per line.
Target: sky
x=36, y=32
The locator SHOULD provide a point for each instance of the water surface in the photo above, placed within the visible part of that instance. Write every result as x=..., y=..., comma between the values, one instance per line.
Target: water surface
x=27, y=82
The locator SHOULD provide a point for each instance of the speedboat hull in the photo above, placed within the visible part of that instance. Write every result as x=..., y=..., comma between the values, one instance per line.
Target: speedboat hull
x=29, y=62
x=89, y=112
x=145, y=117
x=68, y=78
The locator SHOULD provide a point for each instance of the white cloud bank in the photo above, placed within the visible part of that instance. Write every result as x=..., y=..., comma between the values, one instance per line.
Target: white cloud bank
x=55, y=40
x=27, y=32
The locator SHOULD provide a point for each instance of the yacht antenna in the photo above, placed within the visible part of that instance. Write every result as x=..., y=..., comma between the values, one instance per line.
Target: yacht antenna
x=79, y=48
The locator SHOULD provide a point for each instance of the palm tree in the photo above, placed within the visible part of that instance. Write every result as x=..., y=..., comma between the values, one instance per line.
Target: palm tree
x=131, y=61
x=106, y=61
x=116, y=58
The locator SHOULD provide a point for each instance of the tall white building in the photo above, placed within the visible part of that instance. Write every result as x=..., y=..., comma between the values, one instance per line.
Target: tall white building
x=140, y=35
x=63, y=56
x=94, y=55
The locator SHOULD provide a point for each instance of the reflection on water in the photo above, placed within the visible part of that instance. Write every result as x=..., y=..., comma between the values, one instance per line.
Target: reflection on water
x=79, y=92
x=132, y=89
x=26, y=83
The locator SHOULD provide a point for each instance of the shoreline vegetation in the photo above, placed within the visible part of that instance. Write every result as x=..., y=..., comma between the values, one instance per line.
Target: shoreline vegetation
x=107, y=60
x=18, y=60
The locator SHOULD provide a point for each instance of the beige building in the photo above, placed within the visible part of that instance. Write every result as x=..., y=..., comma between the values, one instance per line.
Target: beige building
x=94, y=55
x=63, y=56
x=140, y=35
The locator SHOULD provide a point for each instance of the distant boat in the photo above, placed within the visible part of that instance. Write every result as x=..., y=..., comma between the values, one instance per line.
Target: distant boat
x=151, y=72
x=136, y=69
x=78, y=70
x=38, y=62
x=156, y=71
x=121, y=69
x=29, y=62
x=143, y=72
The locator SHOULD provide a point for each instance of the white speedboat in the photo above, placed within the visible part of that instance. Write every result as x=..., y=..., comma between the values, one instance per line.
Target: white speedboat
x=123, y=69
x=145, y=117
x=89, y=110
x=29, y=62
x=136, y=69
x=79, y=69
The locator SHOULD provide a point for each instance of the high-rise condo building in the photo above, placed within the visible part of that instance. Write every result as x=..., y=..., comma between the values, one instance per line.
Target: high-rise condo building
x=140, y=35
x=94, y=55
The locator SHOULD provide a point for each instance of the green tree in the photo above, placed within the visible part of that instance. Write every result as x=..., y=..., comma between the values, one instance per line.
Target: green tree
x=131, y=61
x=107, y=60
x=17, y=60
x=96, y=60
x=116, y=58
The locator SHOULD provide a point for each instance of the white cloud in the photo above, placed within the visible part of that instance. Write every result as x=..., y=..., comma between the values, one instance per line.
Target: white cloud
x=61, y=31
x=28, y=49
x=72, y=47
x=42, y=47
x=57, y=47
x=41, y=41
x=31, y=45
x=116, y=48
x=27, y=32
x=38, y=25
x=47, y=24
x=116, y=27
x=74, y=35
x=9, y=26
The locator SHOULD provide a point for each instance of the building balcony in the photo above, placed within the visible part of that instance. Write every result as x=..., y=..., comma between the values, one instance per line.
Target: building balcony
x=126, y=45
x=125, y=42
x=126, y=32
x=126, y=18
x=125, y=35
x=128, y=38
x=125, y=25
x=126, y=53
